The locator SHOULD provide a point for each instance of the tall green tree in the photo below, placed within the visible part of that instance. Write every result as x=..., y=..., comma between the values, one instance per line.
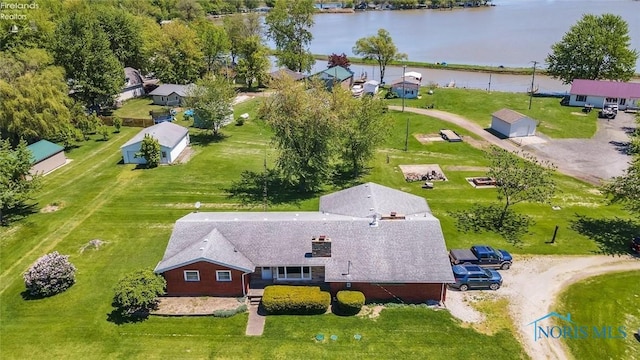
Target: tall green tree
x=304, y=125
x=253, y=65
x=124, y=34
x=150, y=151
x=380, y=48
x=212, y=102
x=364, y=126
x=189, y=10
x=239, y=28
x=596, y=47
x=215, y=43
x=34, y=99
x=289, y=26
x=82, y=48
x=520, y=177
x=176, y=57
x=625, y=189
x=16, y=185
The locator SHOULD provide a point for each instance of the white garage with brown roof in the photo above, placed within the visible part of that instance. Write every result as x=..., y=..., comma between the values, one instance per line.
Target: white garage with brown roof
x=513, y=124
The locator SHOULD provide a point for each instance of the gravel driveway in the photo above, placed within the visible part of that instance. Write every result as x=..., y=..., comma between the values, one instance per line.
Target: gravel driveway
x=531, y=287
x=592, y=160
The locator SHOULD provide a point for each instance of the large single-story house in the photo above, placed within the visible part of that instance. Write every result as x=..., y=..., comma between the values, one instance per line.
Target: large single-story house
x=406, y=87
x=336, y=75
x=512, y=124
x=46, y=157
x=134, y=85
x=369, y=238
x=600, y=92
x=170, y=94
x=173, y=140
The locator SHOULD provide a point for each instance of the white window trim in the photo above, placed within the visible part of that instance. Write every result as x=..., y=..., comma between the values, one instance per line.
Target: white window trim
x=302, y=278
x=191, y=271
x=218, y=272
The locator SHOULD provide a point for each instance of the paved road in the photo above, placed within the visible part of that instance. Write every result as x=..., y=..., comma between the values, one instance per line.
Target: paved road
x=591, y=160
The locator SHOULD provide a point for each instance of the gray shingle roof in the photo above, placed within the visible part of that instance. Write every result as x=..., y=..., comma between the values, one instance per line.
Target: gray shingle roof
x=132, y=77
x=509, y=116
x=394, y=251
x=168, y=89
x=368, y=199
x=168, y=134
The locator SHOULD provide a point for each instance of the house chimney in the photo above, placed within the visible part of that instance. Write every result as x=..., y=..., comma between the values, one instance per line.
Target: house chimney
x=321, y=247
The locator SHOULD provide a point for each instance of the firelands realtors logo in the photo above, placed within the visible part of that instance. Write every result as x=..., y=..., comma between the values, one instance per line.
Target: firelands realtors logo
x=571, y=330
x=9, y=6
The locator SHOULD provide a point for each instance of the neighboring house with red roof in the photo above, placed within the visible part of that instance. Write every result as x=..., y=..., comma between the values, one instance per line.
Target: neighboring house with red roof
x=369, y=238
x=600, y=92
x=512, y=124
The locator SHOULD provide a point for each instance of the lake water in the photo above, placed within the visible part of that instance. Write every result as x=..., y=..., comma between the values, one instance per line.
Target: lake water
x=513, y=33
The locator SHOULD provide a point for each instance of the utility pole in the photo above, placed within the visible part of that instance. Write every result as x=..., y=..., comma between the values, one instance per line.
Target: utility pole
x=404, y=68
x=264, y=190
x=406, y=137
x=533, y=77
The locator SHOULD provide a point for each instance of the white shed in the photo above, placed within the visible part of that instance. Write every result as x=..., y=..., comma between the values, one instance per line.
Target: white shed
x=414, y=74
x=371, y=87
x=173, y=140
x=512, y=124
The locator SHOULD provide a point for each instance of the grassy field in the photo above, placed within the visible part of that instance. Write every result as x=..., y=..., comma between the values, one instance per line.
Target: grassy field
x=133, y=211
x=554, y=120
x=607, y=300
x=137, y=108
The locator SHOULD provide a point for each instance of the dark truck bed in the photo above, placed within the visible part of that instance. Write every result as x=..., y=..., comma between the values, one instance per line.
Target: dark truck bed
x=459, y=256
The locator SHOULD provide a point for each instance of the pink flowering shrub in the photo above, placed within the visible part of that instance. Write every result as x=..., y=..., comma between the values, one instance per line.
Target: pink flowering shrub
x=49, y=275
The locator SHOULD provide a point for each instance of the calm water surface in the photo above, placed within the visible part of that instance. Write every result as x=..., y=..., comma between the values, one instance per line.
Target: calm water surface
x=513, y=33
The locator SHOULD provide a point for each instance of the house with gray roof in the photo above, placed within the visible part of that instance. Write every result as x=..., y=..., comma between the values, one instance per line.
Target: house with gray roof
x=369, y=238
x=134, y=85
x=511, y=123
x=335, y=76
x=173, y=140
x=170, y=94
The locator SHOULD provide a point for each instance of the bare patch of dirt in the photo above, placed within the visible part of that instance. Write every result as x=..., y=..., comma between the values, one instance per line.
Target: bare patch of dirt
x=51, y=208
x=422, y=172
x=428, y=138
x=195, y=305
x=370, y=312
x=578, y=114
x=94, y=244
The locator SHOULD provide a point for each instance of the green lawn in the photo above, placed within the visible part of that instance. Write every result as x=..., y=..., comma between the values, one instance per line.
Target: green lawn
x=554, y=120
x=137, y=108
x=607, y=300
x=133, y=211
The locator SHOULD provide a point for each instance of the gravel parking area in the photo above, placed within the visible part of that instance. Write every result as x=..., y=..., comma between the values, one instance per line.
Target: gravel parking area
x=599, y=158
x=531, y=287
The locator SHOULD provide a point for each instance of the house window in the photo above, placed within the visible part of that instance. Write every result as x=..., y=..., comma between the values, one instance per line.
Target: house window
x=612, y=100
x=581, y=98
x=623, y=101
x=223, y=275
x=164, y=154
x=294, y=273
x=191, y=275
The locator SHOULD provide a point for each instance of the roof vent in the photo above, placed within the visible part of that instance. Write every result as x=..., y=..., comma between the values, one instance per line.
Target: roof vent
x=205, y=240
x=201, y=248
x=374, y=222
x=393, y=216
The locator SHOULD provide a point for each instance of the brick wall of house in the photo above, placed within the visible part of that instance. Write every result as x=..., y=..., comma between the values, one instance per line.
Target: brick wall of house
x=208, y=285
x=411, y=293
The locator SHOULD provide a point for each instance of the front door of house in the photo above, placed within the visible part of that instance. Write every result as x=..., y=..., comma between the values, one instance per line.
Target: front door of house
x=266, y=273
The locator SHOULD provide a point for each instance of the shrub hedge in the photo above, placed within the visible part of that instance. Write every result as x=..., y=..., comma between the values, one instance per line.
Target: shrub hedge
x=295, y=300
x=349, y=302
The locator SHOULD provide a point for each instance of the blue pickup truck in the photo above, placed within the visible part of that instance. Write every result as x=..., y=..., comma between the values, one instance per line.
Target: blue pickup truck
x=482, y=255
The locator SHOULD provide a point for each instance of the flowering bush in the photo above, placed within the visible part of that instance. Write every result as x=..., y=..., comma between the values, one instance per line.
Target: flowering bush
x=49, y=275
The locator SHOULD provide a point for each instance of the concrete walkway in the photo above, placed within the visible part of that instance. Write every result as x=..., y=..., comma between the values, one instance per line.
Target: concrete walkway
x=255, y=324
